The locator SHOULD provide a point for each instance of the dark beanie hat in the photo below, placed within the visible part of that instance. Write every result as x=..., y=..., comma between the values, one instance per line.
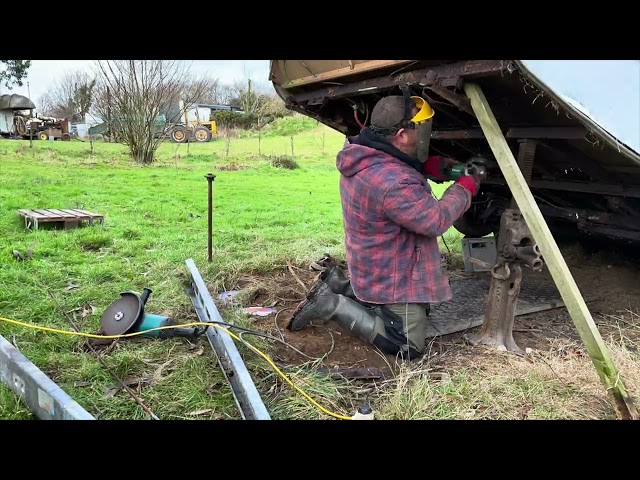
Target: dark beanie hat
x=388, y=112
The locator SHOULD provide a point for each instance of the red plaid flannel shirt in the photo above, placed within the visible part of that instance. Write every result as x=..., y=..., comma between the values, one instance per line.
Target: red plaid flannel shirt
x=391, y=222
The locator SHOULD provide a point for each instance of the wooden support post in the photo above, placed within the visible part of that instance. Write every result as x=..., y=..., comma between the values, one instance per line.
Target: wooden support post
x=553, y=257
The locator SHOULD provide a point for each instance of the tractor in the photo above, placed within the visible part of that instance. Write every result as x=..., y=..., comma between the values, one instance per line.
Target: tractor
x=198, y=131
x=193, y=128
x=41, y=128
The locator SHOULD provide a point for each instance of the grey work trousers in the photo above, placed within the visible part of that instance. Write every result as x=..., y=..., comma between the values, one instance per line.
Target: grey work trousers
x=414, y=325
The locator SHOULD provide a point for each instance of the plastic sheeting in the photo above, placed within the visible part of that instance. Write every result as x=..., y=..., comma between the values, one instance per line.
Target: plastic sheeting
x=607, y=92
x=6, y=121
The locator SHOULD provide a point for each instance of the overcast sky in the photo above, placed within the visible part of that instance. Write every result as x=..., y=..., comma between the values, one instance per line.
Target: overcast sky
x=608, y=91
x=43, y=72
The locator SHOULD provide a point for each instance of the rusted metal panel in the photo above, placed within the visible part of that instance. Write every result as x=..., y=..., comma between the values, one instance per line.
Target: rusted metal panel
x=584, y=187
x=463, y=69
x=591, y=217
x=599, y=188
x=474, y=133
x=459, y=101
x=456, y=82
x=612, y=232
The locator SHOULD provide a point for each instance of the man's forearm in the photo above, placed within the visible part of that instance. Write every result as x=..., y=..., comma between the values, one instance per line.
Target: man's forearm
x=407, y=205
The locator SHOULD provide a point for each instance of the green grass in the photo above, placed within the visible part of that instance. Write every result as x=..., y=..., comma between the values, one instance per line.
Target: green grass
x=263, y=215
x=288, y=126
x=155, y=218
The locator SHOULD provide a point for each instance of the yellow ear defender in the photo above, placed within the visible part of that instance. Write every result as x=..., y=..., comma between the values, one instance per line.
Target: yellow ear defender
x=425, y=112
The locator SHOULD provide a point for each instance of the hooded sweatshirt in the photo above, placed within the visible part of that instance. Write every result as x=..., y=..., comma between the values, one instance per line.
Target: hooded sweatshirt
x=392, y=221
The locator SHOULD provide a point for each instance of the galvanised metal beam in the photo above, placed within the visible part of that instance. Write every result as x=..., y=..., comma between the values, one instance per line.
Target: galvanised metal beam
x=244, y=391
x=46, y=399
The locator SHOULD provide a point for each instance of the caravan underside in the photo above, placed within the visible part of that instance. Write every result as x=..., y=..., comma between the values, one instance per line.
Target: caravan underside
x=584, y=177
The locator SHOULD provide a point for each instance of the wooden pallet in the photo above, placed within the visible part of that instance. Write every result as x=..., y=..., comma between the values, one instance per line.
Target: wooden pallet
x=71, y=218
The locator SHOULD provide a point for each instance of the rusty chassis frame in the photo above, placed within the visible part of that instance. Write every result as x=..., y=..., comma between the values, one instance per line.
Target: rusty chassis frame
x=586, y=185
x=447, y=73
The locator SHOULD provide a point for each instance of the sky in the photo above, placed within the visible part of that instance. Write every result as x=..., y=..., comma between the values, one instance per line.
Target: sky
x=43, y=72
x=608, y=91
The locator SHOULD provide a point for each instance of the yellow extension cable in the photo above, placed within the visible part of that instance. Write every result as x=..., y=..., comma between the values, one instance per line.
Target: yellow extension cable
x=198, y=324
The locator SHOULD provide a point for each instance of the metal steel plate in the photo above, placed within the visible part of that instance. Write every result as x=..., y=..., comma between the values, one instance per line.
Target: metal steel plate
x=466, y=309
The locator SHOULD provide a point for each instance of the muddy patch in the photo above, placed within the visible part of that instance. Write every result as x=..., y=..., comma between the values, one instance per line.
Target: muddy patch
x=616, y=287
x=282, y=290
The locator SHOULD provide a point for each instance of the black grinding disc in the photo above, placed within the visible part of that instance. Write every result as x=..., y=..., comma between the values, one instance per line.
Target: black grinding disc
x=120, y=315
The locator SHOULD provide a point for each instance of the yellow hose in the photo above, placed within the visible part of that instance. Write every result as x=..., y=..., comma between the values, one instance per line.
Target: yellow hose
x=198, y=324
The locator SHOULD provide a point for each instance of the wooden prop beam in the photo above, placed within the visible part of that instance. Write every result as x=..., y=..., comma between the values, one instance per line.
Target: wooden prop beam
x=558, y=268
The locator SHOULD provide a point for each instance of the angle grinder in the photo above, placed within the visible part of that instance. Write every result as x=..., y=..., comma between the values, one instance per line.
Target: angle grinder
x=473, y=166
x=127, y=315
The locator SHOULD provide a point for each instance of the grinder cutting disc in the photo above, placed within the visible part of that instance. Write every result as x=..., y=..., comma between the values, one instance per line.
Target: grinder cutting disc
x=121, y=315
x=488, y=163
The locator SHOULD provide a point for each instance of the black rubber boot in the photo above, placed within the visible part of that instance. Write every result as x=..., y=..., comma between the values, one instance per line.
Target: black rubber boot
x=367, y=323
x=337, y=281
x=324, y=304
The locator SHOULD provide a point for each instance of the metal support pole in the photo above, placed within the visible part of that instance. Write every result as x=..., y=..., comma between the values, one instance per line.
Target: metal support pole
x=210, y=177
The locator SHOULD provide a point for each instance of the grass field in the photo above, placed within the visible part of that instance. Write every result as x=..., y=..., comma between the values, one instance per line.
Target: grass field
x=155, y=218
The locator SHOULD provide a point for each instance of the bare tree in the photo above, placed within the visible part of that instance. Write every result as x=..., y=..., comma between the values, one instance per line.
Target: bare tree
x=71, y=98
x=261, y=85
x=46, y=104
x=201, y=90
x=254, y=97
x=227, y=95
x=247, y=97
x=132, y=95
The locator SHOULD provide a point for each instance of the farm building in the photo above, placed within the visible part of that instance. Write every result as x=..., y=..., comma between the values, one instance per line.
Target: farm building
x=81, y=129
x=9, y=105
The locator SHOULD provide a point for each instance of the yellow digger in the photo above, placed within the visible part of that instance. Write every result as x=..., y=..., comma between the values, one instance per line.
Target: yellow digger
x=198, y=130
